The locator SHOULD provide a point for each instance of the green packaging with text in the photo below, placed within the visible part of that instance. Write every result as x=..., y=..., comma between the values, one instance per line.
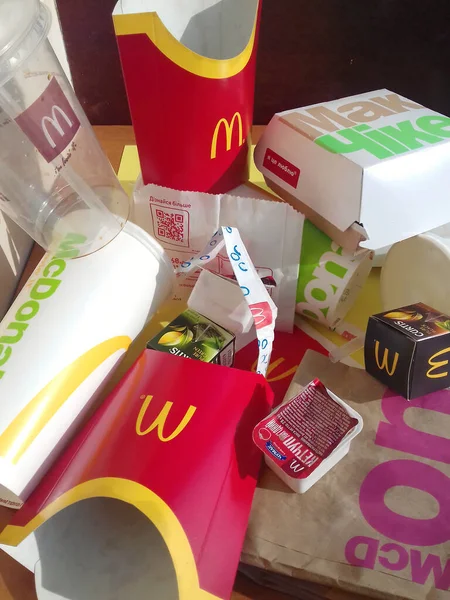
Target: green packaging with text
x=191, y=335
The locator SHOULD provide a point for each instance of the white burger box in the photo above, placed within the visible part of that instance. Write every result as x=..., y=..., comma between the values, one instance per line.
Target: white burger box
x=369, y=170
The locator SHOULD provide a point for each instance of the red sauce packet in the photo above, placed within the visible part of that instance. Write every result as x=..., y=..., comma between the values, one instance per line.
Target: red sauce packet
x=300, y=434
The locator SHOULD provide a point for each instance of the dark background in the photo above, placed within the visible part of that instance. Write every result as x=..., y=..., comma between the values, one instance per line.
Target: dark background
x=310, y=51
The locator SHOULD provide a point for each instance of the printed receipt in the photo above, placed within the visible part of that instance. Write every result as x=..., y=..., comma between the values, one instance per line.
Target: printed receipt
x=261, y=305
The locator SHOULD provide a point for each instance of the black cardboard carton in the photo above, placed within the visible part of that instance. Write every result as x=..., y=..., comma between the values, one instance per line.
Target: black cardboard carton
x=408, y=349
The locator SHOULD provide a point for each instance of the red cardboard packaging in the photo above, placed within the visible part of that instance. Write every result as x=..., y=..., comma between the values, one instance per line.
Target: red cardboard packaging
x=189, y=71
x=174, y=440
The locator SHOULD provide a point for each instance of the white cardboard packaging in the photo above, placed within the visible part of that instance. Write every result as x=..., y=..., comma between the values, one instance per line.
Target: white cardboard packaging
x=371, y=169
x=222, y=301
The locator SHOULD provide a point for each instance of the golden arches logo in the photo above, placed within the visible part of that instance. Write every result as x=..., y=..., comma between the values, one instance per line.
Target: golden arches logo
x=229, y=127
x=384, y=363
x=272, y=367
x=437, y=365
x=161, y=419
x=28, y=424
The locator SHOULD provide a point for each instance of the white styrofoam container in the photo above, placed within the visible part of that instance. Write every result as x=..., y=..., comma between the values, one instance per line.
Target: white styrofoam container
x=302, y=485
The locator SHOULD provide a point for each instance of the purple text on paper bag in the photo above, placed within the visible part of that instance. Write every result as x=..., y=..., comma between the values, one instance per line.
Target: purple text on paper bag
x=396, y=434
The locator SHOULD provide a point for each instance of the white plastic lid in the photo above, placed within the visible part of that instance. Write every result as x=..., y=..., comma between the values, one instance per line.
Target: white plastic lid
x=16, y=19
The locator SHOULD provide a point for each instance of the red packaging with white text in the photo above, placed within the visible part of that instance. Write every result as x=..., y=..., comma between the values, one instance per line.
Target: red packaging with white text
x=307, y=435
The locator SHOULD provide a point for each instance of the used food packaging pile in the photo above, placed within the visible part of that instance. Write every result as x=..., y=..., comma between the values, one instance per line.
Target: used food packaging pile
x=160, y=364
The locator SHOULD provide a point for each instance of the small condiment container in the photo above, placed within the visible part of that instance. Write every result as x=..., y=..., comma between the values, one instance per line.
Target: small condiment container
x=306, y=436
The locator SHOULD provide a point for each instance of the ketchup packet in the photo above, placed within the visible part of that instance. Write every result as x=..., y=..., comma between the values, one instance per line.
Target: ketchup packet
x=300, y=434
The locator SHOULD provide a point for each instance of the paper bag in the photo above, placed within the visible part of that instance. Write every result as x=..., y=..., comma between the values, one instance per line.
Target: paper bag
x=183, y=223
x=378, y=522
x=173, y=442
x=189, y=70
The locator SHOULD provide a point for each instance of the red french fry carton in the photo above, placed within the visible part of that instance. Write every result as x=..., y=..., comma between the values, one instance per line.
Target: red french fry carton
x=189, y=71
x=174, y=441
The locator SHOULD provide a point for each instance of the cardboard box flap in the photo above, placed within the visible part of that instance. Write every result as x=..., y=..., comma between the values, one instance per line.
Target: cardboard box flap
x=211, y=28
x=327, y=183
x=350, y=239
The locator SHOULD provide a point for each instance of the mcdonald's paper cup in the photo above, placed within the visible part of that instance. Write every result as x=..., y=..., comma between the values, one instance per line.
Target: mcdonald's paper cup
x=61, y=338
x=330, y=278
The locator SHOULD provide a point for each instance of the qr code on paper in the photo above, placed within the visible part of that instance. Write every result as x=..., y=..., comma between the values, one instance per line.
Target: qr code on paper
x=171, y=226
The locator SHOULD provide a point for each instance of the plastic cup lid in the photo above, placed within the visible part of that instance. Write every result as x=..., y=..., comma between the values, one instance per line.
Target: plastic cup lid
x=16, y=19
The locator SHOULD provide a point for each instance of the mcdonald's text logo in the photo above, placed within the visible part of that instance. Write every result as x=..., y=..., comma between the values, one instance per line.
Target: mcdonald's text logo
x=50, y=122
x=160, y=421
x=229, y=128
x=384, y=363
x=437, y=365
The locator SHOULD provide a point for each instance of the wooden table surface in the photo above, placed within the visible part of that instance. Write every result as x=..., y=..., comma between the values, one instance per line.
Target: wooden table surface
x=16, y=582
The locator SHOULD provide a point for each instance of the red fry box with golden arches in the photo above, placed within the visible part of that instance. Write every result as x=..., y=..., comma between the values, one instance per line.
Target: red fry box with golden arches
x=173, y=440
x=189, y=71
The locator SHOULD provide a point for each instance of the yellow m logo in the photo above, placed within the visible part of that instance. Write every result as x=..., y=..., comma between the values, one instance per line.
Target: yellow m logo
x=384, y=362
x=437, y=364
x=54, y=122
x=161, y=419
x=229, y=127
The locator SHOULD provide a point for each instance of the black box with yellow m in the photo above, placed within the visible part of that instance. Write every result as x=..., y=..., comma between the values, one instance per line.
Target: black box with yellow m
x=408, y=349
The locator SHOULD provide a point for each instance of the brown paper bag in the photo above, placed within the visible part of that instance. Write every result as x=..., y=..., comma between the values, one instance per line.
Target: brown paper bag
x=379, y=522
x=304, y=590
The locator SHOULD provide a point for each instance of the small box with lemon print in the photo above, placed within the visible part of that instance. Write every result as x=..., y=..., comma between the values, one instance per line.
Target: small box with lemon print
x=193, y=335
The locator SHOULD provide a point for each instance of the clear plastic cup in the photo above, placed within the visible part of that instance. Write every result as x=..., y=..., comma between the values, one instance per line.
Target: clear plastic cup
x=55, y=179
